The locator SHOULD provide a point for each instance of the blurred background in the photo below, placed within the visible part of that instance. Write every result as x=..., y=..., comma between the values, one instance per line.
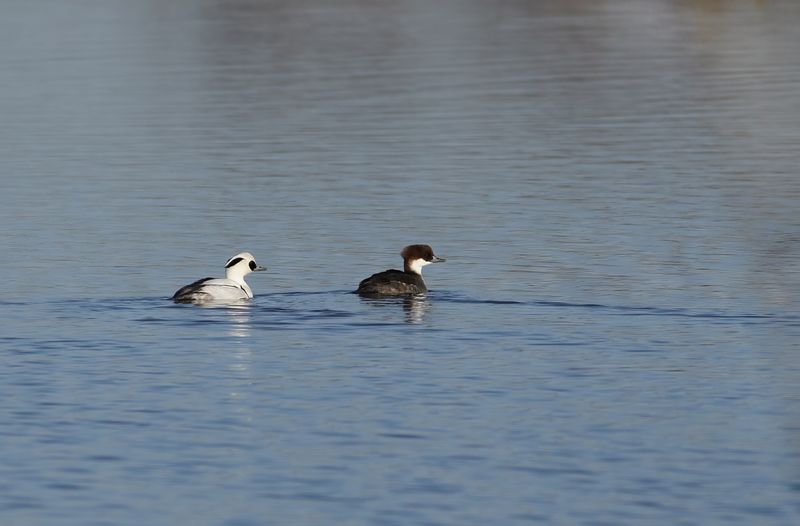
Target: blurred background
x=564, y=149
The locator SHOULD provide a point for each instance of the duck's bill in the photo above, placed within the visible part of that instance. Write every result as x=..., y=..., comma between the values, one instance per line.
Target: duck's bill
x=437, y=259
x=259, y=269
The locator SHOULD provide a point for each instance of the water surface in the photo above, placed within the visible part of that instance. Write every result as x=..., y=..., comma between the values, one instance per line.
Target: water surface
x=613, y=337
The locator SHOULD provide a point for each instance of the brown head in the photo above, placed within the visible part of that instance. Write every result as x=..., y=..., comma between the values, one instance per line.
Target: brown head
x=417, y=256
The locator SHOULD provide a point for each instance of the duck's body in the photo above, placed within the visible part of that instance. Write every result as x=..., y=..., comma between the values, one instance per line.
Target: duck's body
x=230, y=288
x=213, y=289
x=392, y=283
x=401, y=282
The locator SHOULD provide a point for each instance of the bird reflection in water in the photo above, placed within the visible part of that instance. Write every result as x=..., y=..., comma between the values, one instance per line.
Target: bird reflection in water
x=240, y=317
x=416, y=307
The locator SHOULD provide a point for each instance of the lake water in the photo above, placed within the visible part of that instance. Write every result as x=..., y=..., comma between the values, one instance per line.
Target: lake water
x=612, y=340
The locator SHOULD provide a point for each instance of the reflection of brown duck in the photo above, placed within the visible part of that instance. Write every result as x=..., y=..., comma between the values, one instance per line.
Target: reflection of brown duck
x=400, y=282
x=415, y=306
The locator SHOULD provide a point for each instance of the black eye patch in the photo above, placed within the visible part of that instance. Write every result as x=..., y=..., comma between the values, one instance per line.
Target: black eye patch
x=233, y=262
x=252, y=265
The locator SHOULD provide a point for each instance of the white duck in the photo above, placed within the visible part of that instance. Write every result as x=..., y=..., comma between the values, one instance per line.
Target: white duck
x=230, y=288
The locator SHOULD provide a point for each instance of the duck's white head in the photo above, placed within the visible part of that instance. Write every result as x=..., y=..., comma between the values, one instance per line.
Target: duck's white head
x=417, y=256
x=241, y=265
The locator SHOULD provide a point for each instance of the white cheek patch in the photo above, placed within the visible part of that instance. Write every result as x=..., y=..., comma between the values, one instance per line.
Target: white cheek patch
x=238, y=271
x=417, y=264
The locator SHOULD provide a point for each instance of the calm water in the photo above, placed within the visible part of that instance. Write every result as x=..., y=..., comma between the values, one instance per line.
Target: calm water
x=613, y=339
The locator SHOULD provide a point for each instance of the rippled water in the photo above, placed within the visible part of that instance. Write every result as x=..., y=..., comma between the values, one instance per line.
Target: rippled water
x=613, y=339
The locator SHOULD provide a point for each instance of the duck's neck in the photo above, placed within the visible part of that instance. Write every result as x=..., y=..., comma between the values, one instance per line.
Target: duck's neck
x=414, y=266
x=236, y=275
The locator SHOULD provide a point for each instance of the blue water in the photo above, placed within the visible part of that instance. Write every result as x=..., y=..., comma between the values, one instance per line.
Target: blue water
x=612, y=340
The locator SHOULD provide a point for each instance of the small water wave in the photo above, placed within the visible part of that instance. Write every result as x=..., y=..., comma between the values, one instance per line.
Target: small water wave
x=302, y=307
x=626, y=310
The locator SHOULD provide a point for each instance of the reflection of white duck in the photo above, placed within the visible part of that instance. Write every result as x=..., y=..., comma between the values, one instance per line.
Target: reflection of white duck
x=230, y=288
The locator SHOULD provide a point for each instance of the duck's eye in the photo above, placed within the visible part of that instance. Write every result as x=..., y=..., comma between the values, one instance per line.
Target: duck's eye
x=252, y=265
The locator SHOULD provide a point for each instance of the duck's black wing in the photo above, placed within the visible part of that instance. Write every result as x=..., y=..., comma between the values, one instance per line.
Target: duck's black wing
x=392, y=283
x=188, y=294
